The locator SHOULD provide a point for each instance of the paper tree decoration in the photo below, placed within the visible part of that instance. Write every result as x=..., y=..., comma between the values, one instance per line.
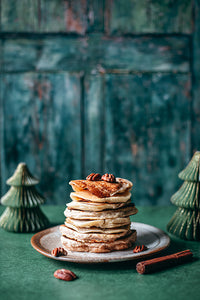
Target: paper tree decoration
x=23, y=213
x=186, y=221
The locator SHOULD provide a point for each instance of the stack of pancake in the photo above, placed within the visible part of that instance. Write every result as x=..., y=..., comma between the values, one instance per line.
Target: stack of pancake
x=97, y=219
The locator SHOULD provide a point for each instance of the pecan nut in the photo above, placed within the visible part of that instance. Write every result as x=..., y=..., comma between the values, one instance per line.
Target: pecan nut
x=59, y=252
x=94, y=177
x=108, y=177
x=138, y=249
x=64, y=274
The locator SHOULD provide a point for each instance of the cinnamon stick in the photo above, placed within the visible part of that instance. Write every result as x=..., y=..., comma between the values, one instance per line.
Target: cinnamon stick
x=160, y=263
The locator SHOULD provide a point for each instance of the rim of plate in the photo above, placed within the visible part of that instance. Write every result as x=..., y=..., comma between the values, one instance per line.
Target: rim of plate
x=76, y=257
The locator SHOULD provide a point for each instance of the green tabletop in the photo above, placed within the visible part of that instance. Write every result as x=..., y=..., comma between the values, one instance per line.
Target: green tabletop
x=26, y=274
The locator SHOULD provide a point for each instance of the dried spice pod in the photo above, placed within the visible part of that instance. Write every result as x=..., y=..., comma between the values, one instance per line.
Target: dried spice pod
x=160, y=263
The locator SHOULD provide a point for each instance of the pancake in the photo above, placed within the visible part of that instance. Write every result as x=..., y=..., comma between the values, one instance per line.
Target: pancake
x=98, y=230
x=98, y=217
x=120, y=244
x=102, y=188
x=106, y=214
x=103, y=223
x=86, y=195
x=92, y=237
x=92, y=206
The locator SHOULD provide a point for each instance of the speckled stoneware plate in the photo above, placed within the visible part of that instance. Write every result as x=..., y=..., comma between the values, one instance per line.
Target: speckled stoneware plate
x=155, y=239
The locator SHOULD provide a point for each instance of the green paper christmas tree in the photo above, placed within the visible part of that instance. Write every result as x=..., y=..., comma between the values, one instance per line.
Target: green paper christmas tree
x=23, y=213
x=185, y=223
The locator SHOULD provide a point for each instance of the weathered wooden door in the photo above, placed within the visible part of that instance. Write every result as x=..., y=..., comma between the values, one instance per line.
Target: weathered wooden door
x=104, y=86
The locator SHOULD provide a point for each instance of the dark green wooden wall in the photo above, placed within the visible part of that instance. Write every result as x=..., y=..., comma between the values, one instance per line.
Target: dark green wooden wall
x=103, y=86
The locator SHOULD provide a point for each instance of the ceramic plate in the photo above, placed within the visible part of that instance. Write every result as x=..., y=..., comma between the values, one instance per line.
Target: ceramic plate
x=150, y=236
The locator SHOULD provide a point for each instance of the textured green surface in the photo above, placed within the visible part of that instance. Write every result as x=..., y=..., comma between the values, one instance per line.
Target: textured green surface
x=26, y=274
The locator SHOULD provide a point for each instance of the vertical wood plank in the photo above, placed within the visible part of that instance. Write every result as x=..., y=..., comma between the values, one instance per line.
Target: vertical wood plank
x=42, y=128
x=63, y=16
x=1, y=120
x=44, y=16
x=94, y=123
x=148, y=132
x=52, y=16
x=132, y=16
x=19, y=16
x=196, y=81
x=95, y=15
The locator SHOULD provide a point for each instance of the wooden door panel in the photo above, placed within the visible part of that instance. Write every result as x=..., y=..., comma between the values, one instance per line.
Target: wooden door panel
x=47, y=54
x=147, y=126
x=132, y=16
x=146, y=54
x=94, y=129
x=121, y=17
x=103, y=86
x=72, y=17
x=96, y=53
x=42, y=127
x=22, y=17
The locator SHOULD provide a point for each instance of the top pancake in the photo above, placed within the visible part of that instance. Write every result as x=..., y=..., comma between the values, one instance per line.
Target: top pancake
x=87, y=196
x=102, y=188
